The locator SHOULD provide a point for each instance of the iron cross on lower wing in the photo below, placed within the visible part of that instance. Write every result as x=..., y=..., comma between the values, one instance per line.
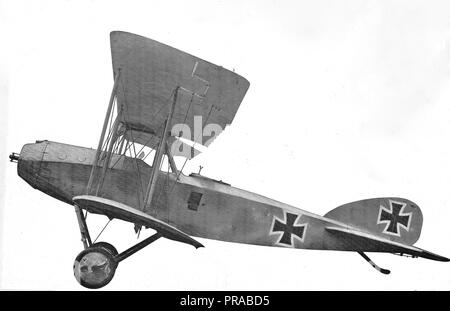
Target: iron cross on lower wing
x=289, y=229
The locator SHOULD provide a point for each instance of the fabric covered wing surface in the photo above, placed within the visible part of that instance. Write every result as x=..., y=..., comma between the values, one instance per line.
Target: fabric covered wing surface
x=118, y=210
x=149, y=73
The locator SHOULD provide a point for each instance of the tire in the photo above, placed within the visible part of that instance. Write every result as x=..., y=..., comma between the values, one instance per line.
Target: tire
x=94, y=267
x=109, y=247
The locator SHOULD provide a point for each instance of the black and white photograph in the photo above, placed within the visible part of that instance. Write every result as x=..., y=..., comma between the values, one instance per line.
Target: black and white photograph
x=224, y=146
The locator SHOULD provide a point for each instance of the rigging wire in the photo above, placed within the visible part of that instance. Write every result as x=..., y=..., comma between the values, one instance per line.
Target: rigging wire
x=110, y=125
x=151, y=137
x=104, y=145
x=102, y=230
x=185, y=161
x=127, y=146
x=172, y=96
x=132, y=143
x=138, y=171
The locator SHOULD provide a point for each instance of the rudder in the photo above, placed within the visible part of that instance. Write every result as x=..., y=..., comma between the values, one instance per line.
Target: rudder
x=396, y=219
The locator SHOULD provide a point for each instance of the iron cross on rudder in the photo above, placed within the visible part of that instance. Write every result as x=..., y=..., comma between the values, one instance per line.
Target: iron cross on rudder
x=394, y=217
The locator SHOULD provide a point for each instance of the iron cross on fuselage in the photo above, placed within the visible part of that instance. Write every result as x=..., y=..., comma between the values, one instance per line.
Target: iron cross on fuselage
x=289, y=229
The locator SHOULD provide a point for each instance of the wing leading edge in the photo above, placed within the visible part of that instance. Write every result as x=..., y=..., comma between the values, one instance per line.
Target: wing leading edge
x=366, y=242
x=118, y=210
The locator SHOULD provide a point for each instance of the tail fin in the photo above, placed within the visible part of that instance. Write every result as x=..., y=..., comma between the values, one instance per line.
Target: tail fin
x=396, y=219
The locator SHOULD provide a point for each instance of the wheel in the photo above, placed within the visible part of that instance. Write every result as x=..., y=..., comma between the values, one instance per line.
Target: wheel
x=94, y=267
x=107, y=246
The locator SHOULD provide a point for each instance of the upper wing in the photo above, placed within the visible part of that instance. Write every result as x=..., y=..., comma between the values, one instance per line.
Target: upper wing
x=115, y=209
x=361, y=241
x=149, y=73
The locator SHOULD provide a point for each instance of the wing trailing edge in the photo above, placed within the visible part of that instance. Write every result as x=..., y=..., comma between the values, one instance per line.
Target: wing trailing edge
x=362, y=241
x=114, y=209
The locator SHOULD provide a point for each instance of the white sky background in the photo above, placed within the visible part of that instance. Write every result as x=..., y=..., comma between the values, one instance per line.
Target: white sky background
x=348, y=100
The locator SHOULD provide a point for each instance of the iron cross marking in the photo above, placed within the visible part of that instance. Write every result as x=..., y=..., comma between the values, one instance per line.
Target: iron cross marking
x=289, y=229
x=394, y=217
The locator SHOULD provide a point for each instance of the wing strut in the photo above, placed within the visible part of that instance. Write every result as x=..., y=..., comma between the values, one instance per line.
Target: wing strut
x=102, y=136
x=108, y=154
x=172, y=163
x=159, y=153
x=384, y=271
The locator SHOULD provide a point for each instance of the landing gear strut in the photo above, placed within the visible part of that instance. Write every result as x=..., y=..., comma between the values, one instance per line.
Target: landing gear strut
x=96, y=265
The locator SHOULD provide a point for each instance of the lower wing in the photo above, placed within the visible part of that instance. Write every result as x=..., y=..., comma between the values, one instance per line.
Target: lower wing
x=118, y=210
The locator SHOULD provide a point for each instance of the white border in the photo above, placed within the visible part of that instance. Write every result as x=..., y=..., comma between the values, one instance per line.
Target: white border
x=388, y=222
x=293, y=236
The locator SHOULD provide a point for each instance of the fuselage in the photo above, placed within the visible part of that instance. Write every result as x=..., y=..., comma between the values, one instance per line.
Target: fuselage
x=196, y=205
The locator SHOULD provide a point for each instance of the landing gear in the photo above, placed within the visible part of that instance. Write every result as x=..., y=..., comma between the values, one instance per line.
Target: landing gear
x=96, y=265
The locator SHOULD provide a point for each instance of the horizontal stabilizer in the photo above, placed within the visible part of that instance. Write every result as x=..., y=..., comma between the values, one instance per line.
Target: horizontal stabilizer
x=118, y=210
x=366, y=242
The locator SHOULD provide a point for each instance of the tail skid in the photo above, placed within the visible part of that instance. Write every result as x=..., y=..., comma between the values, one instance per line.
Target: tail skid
x=384, y=271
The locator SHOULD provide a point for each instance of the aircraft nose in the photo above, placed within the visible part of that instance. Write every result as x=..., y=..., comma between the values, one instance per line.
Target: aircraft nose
x=29, y=161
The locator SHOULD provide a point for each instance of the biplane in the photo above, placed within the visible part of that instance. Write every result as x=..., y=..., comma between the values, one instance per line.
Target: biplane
x=159, y=95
